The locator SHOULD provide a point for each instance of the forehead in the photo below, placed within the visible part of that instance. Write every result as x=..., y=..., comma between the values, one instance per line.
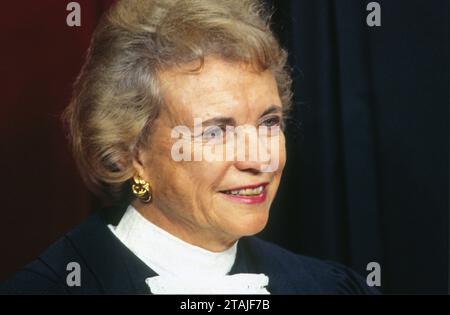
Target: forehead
x=219, y=88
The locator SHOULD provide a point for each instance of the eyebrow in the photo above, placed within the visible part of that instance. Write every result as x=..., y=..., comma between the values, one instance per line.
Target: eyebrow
x=229, y=121
x=272, y=109
x=220, y=121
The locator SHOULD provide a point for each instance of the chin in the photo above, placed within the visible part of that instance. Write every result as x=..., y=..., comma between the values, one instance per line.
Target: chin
x=251, y=224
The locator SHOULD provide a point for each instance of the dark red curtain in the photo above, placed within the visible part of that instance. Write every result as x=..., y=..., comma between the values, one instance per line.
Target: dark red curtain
x=42, y=194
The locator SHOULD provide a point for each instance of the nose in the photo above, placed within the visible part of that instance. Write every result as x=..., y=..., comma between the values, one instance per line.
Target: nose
x=253, y=167
x=252, y=151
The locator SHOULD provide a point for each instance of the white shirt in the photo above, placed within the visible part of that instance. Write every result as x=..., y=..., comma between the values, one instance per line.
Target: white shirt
x=183, y=267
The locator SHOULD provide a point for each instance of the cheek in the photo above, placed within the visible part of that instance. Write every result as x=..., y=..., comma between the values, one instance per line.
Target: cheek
x=190, y=191
x=278, y=155
x=174, y=189
x=192, y=182
x=207, y=176
x=182, y=180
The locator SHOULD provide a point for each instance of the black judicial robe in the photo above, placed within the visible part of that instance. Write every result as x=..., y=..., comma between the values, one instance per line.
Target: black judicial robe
x=109, y=267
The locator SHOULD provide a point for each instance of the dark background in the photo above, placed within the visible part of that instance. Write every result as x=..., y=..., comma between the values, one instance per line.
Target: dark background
x=367, y=172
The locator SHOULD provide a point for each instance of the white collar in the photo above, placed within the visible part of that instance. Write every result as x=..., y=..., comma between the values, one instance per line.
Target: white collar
x=168, y=255
x=183, y=268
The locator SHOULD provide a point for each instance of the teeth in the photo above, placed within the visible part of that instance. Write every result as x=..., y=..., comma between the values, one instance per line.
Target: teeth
x=248, y=191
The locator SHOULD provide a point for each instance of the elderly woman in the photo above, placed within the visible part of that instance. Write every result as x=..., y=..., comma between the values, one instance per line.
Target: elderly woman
x=168, y=111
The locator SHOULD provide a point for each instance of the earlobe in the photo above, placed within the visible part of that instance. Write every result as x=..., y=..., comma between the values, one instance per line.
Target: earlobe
x=138, y=165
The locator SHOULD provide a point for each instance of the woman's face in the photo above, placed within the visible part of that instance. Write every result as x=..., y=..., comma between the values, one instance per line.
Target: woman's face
x=213, y=203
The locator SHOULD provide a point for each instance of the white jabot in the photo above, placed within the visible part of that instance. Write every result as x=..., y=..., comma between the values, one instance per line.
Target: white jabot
x=183, y=268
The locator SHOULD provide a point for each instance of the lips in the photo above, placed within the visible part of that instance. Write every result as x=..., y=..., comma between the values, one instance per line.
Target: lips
x=250, y=194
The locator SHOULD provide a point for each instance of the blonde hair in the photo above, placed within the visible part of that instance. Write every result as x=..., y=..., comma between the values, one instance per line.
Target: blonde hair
x=116, y=95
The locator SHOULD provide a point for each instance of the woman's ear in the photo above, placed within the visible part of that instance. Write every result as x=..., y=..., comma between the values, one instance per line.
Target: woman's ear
x=138, y=164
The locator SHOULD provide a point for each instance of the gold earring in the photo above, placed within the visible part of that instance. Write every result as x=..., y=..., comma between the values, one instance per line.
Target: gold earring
x=141, y=189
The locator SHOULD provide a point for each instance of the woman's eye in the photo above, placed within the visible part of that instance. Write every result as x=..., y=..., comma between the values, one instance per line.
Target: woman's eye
x=272, y=121
x=213, y=133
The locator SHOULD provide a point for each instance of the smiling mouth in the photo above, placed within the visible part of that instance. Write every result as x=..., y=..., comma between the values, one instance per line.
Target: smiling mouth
x=248, y=194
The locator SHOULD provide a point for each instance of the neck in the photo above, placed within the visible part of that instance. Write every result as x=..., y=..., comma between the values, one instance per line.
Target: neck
x=185, y=230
